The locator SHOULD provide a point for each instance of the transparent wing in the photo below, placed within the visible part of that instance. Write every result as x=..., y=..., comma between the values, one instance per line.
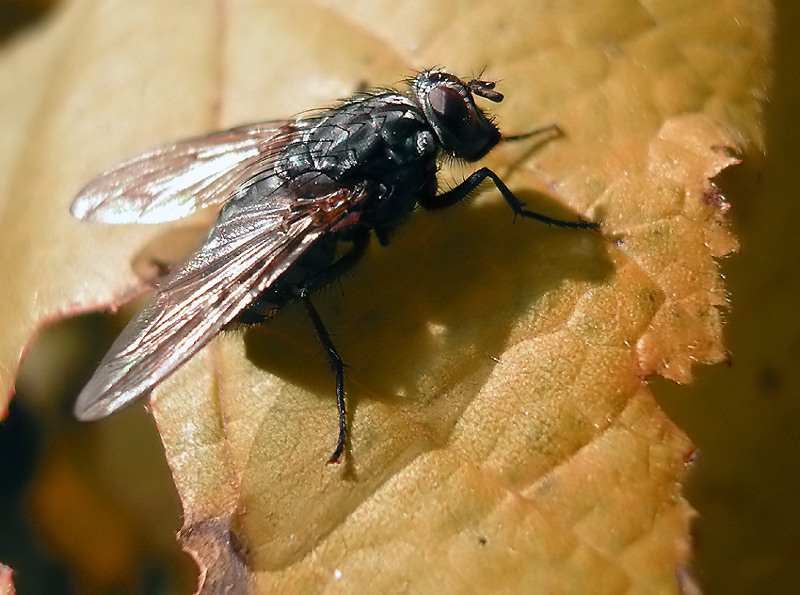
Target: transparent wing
x=247, y=250
x=174, y=181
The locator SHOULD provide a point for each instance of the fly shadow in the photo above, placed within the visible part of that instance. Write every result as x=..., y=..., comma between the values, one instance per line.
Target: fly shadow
x=430, y=312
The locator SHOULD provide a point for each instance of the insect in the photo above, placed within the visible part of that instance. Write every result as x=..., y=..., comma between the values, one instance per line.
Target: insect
x=300, y=200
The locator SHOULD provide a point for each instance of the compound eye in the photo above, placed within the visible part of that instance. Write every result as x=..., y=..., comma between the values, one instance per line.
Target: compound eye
x=452, y=111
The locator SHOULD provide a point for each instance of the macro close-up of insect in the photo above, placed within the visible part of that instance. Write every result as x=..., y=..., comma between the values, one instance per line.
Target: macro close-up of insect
x=299, y=200
x=386, y=297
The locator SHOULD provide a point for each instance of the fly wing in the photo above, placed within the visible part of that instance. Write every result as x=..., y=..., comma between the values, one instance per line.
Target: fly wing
x=174, y=181
x=249, y=247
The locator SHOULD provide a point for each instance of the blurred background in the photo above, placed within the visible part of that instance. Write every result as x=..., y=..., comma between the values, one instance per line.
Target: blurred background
x=744, y=416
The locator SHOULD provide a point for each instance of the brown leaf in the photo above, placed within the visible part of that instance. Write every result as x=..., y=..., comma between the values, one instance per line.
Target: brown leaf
x=501, y=433
x=218, y=553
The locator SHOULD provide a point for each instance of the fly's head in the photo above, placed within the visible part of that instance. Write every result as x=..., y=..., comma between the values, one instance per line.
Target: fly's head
x=462, y=128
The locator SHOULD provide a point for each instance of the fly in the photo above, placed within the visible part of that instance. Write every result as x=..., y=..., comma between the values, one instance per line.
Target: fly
x=291, y=192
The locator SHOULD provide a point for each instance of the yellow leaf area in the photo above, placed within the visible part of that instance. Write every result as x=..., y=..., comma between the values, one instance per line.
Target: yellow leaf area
x=502, y=435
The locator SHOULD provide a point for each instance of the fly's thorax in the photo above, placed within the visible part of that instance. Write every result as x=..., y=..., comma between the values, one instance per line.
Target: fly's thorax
x=369, y=137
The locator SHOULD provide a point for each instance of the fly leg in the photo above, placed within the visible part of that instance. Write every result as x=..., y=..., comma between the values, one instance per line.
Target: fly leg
x=339, y=267
x=465, y=188
x=337, y=365
x=551, y=131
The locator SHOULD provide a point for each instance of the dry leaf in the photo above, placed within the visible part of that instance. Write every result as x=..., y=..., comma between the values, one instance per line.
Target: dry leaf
x=502, y=435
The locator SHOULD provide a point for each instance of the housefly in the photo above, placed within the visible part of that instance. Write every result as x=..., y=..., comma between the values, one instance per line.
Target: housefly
x=299, y=199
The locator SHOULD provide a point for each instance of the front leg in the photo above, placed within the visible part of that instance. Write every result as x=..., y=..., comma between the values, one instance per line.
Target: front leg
x=460, y=192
